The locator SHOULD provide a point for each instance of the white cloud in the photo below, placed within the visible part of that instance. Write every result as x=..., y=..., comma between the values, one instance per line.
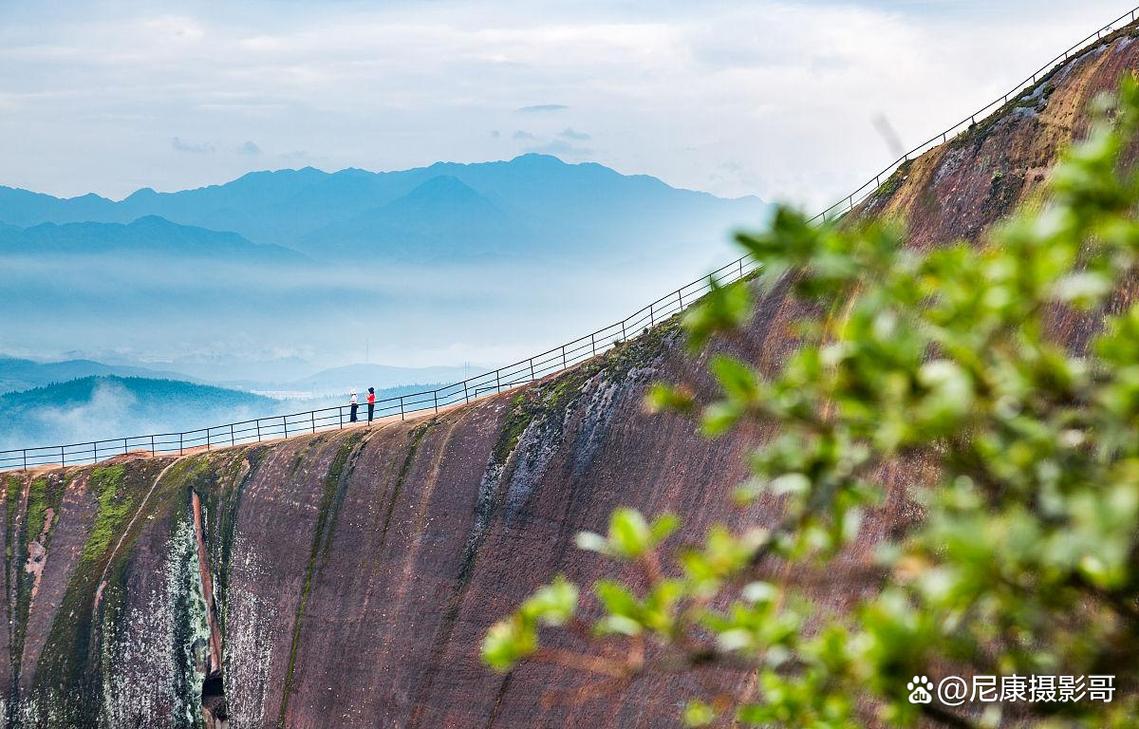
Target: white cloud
x=182, y=145
x=561, y=148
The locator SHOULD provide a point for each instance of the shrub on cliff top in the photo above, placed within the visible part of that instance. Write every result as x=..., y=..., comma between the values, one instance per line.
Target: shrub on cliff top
x=1024, y=564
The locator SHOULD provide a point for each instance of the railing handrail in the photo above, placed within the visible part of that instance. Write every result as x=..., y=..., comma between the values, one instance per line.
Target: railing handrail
x=847, y=203
x=463, y=391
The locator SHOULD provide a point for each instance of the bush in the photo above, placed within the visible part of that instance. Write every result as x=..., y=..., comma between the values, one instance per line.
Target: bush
x=1025, y=562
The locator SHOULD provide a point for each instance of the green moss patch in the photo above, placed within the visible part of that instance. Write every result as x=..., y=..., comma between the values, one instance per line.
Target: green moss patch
x=115, y=508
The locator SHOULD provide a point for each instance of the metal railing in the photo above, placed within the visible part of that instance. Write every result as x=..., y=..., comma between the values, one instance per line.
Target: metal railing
x=503, y=378
x=339, y=416
x=847, y=203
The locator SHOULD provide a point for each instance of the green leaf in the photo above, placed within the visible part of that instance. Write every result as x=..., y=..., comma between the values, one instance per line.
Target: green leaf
x=666, y=398
x=592, y=542
x=697, y=714
x=616, y=598
x=553, y=604
x=507, y=642
x=719, y=418
x=737, y=380
x=723, y=309
x=663, y=526
x=629, y=533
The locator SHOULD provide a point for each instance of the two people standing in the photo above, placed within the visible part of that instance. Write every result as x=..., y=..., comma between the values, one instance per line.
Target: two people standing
x=354, y=404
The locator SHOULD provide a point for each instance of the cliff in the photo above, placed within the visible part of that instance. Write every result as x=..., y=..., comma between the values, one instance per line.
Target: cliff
x=345, y=578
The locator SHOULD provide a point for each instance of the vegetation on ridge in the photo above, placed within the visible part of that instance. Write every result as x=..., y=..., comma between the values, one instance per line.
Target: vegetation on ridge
x=1025, y=562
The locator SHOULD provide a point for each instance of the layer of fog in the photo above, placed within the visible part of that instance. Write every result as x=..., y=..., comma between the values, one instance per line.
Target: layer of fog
x=223, y=322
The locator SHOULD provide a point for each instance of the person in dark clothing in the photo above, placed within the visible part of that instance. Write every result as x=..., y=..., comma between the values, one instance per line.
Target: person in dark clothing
x=371, y=402
x=354, y=404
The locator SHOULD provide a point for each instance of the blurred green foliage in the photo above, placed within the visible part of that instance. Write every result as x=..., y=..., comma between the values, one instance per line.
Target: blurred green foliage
x=958, y=362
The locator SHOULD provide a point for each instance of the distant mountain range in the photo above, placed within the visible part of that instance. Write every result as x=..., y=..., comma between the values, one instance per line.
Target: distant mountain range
x=534, y=206
x=257, y=278
x=24, y=374
x=98, y=407
x=149, y=236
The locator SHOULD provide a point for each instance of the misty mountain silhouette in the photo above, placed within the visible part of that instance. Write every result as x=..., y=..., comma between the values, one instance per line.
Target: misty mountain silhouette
x=23, y=374
x=534, y=204
x=430, y=258
x=101, y=406
x=147, y=235
x=441, y=217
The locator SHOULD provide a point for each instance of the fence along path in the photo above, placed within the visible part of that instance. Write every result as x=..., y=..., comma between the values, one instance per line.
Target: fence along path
x=510, y=376
x=338, y=416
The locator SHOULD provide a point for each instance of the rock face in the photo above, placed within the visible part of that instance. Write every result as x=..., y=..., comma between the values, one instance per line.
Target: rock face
x=345, y=579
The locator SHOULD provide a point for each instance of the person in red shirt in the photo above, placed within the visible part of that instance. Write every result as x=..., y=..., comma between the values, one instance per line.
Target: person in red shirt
x=371, y=402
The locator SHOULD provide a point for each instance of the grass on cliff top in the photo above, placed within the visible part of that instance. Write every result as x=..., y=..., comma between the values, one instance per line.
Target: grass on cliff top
x=114, y=509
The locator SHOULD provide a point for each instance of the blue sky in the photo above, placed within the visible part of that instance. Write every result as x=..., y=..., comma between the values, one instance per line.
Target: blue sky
x=777, y=99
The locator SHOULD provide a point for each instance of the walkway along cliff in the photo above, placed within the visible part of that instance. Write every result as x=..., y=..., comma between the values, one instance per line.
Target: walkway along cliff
x=345, y=578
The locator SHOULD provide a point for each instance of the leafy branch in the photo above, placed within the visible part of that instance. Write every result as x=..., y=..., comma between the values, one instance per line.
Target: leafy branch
x=949, y=366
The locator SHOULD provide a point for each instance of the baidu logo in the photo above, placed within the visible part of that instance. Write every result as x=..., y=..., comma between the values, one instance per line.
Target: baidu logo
x=920, y=689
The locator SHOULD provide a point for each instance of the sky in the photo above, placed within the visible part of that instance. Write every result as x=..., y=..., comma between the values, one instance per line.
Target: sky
x=785, y=100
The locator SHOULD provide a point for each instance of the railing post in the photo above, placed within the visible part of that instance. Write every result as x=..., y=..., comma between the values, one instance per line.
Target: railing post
x=180, y=444
x=498, y=381
x=741, y=267
x=95, y=450
x=340, y=415
x=401, y=407
x=593, y=343
x=285, y=425
x=232, y=442
x=623, y=337
x=532, y=369
x=25, y=455
x=312, y=419
x=152, y=450
x=124, y=446
x=466, y=395
x=62, y=457
x=257, y=424
x=652, y=317
x=208, y=438
x=564, y=365
x=435, y=394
